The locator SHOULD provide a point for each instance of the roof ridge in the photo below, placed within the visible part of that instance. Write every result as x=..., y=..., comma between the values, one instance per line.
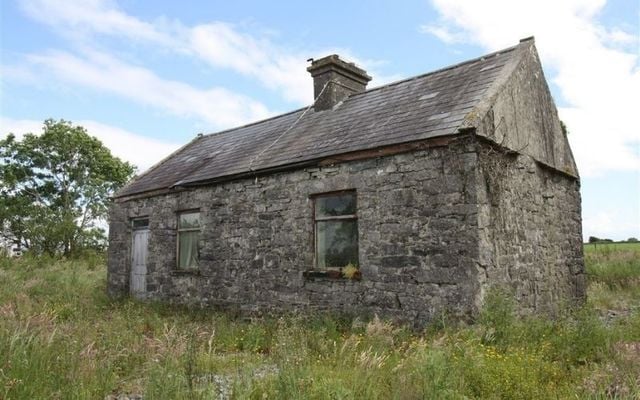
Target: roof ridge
x=447, y=68
x=497, y=52
x=253, y=123
x=470, y=89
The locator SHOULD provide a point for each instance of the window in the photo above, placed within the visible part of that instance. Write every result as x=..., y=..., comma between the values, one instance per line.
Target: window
x=336, y=230
x=141, y=223
x=188, y=238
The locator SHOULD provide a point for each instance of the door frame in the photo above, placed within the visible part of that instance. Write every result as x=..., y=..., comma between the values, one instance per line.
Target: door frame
x=138, y=224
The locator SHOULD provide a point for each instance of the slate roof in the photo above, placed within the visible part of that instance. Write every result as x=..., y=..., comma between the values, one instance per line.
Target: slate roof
x=425, y=106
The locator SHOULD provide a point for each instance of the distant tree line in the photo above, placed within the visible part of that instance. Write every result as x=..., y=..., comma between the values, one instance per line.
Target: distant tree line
x=594, y=239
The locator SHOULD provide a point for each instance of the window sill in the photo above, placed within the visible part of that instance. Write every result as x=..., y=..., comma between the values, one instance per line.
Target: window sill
x=330, y=275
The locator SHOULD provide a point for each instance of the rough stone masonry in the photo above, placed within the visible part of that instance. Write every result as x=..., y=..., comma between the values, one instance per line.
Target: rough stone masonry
x=441, y=219
x=433, y=236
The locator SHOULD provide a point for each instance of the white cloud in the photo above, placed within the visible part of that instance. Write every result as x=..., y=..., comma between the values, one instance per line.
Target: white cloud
x=610, y=224
x=122, y=143
x=443, y=33
x=218, y=44
x=81, y=17
x=617, y=35
x=221, y=45
x=19, y=127
x=597, y=78
x=13, y=73
x=127, y=145
x=103, y=72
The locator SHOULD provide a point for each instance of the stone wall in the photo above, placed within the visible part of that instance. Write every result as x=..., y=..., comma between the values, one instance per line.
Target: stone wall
x=523, y=117
x=417, y=217
x=529, y=210
x=530, y=233
x=437, y=228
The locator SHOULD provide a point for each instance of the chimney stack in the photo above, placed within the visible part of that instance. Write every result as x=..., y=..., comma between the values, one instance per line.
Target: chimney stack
x=341, y=79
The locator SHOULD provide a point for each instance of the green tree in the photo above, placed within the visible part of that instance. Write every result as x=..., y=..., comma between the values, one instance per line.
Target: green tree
x=55, y=188
x=593, y=239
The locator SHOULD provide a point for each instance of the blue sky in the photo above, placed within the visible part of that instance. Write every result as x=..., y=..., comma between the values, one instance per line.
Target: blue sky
x=147, y=76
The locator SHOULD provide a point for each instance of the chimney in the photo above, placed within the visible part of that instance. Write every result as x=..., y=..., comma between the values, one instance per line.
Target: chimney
x=341, y=79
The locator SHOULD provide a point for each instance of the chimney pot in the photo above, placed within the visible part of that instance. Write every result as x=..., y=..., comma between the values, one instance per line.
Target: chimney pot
x=340, y=78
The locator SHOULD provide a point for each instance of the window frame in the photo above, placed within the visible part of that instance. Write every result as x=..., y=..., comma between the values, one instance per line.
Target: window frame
x=182, y=230
x=345, y=217
x=134, y=220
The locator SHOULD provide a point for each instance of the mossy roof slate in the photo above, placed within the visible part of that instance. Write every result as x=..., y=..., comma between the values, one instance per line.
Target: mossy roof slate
x=426, y=106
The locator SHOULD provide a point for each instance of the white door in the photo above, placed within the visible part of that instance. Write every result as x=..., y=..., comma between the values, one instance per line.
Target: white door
x=138, y=283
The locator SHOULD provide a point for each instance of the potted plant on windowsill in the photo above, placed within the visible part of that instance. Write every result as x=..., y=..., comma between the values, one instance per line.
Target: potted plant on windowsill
x=351, y=271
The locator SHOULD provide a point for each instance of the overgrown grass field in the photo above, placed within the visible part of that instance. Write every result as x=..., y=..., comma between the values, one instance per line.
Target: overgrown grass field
x=62, y=338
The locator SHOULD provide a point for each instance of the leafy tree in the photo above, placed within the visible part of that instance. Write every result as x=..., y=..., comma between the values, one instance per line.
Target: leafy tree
x=55, y=187
x=632, y=240
x=593, y=239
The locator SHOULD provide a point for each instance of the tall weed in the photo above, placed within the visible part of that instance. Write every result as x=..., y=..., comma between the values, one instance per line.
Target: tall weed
x=61, y=337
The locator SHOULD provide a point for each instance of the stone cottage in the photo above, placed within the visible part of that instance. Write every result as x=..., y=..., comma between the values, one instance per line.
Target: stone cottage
x=408, y=200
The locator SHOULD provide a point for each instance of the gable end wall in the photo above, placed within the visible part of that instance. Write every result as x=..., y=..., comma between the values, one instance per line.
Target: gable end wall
x=524, y=119
x=530, y=233
x=529, y=205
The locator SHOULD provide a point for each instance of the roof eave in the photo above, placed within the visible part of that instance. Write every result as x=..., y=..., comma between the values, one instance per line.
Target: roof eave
x=383, y=151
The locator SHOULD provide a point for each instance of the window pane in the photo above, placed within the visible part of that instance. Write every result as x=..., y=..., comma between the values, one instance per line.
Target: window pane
x=189, y=220
x=188, y=249
x=339, y=204
x=337, y=243
x=140, y=223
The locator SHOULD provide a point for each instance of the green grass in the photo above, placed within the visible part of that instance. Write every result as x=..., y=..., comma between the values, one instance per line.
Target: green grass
x=613, y=270
x=607, y=247
x=61, y=337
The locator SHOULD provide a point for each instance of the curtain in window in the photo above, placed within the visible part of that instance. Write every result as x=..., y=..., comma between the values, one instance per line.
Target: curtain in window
x=336, y=230
x=188, y=249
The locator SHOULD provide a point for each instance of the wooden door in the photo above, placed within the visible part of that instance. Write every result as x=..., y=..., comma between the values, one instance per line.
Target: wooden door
x=139, y=250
